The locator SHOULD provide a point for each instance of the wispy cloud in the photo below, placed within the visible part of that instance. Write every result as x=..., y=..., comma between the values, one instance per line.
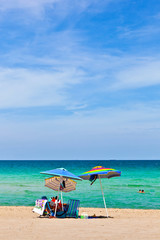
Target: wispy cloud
x=69, y=80
x=27, y=88
x=138, y=74
x=144, y=32
x=22, y=4
x=59, y=7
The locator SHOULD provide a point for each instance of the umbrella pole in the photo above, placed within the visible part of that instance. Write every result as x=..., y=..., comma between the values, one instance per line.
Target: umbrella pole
x=56, y=209
x=56, y=205
x=62, y=200
x=103, y=196
x=61, y=179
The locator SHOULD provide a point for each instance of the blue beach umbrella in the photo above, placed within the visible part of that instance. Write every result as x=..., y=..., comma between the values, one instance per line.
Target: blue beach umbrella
x=61, y=172
x=100, y=172
x=63, y=179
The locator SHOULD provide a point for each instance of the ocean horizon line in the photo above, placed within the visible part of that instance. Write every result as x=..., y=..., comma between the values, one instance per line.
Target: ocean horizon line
x=79, y=159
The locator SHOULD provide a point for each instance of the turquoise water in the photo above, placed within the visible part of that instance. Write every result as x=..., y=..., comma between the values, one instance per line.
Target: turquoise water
x=21, y=183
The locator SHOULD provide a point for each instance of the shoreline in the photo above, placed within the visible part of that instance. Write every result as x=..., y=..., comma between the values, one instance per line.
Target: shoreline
x=10, y=206
x=141, y=209
x=19, y=222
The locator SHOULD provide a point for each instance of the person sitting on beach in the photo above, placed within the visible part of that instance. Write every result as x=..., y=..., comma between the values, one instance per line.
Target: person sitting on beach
x=52, y=202
x=52, y=199
x=55, y=201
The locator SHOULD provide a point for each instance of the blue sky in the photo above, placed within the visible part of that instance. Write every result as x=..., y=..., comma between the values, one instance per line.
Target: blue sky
x=79, y=79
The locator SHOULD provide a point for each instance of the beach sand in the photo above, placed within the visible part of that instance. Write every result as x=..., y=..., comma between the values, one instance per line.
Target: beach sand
x=20, y=223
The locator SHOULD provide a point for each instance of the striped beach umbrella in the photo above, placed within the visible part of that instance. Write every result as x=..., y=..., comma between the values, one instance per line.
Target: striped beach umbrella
x=100, y=172
x=64, y=184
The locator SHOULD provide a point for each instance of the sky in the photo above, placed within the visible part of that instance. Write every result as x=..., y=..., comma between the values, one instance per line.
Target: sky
x=79, y=80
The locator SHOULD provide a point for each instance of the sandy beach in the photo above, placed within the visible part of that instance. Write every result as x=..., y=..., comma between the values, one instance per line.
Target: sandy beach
x=21, y=223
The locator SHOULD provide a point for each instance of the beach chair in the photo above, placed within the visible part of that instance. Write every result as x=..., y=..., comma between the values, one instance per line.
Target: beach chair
x=42, y=208
x=40, y=205
x=73, y=208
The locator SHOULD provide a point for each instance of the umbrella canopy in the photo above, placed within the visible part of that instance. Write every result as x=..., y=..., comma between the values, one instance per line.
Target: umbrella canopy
x=100, y=172
x=61, y=172
x=64, y=185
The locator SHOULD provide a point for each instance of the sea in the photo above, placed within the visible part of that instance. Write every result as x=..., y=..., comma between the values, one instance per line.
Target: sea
x=21, y=183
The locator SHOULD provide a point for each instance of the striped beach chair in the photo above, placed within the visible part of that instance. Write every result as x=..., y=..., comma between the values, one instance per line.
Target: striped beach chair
x=73, y=208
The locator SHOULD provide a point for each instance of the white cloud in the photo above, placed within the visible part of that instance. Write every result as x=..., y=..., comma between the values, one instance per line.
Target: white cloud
x=22, y=4
x=94, y=73
x=68, y=4
x=137, y=74
x=60, y=8
x=142, y=33
x=28, y=88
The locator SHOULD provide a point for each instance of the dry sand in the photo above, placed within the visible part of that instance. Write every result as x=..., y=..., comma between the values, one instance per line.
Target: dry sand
x=21, y=223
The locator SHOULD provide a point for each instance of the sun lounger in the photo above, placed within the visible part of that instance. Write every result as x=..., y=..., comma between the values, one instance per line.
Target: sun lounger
x=73, y=208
